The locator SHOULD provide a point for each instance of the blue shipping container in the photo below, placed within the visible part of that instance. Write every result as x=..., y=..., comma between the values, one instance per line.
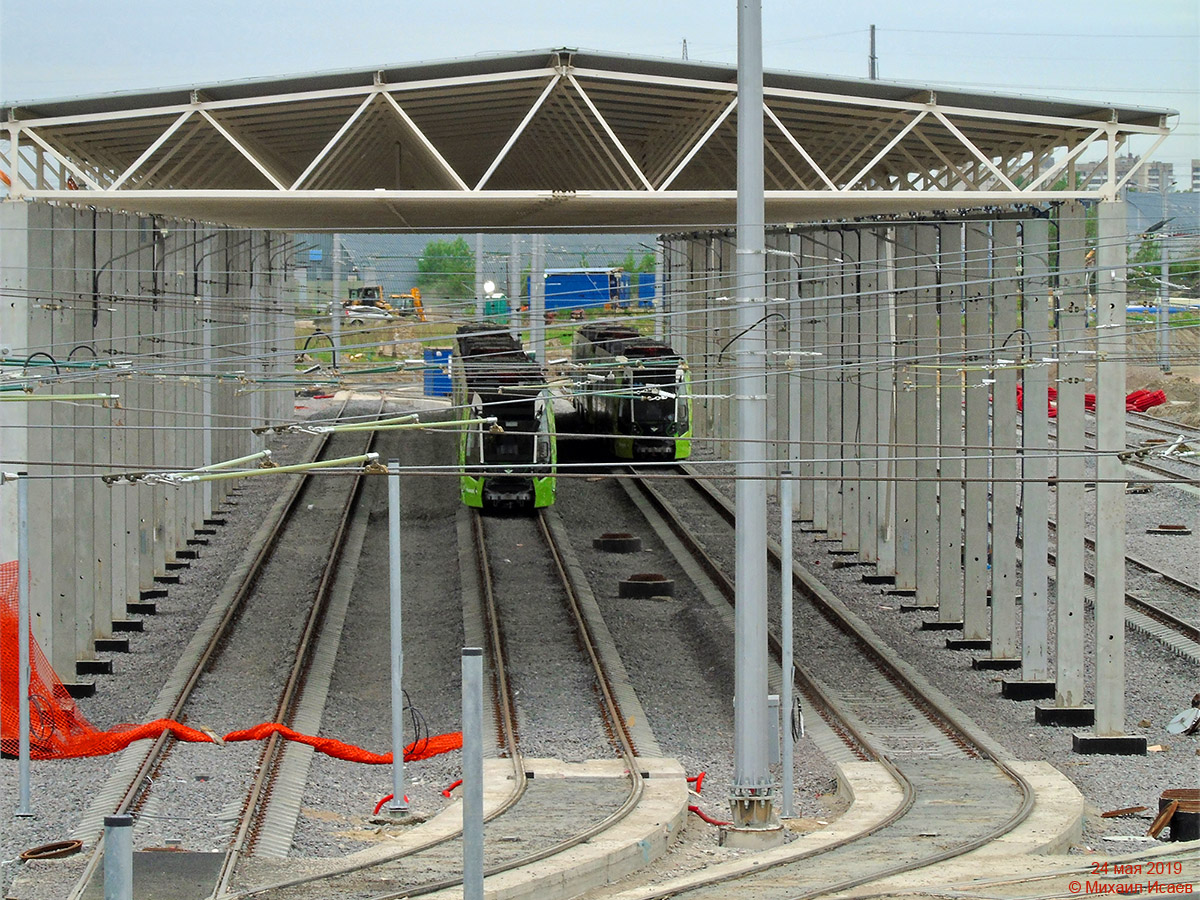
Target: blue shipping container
x=645, y=289
x=571, y=288
x=437, y=373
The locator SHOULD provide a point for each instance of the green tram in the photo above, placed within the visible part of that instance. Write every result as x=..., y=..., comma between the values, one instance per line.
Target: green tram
x=508, y=464
x=634, y=388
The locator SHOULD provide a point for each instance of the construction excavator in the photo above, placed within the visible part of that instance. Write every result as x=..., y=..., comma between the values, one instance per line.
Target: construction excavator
x=361, y=301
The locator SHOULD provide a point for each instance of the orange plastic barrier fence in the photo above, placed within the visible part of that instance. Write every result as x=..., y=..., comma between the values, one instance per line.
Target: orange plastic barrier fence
x=58, y=730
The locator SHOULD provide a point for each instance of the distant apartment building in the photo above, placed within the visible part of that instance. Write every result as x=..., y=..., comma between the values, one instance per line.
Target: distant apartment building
x=1151, y=177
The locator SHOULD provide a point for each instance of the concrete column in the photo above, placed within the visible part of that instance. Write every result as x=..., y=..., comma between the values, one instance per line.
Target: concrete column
x=835, y=379
x=806, y=397
x=1035, y=487
x=1070, y=313
x=480, y=277
x=110, y=505
x=514, y=285
x=977, y=319
x=906, y=411
x=14, y=339
x=795, y=344
x=823, y=379
x=1110, y=488
x=1006, y=351
x=950, y=428
x=868, y=403
x=885, y=399
x=537, y=299
x=926, y=445
x=851, y=384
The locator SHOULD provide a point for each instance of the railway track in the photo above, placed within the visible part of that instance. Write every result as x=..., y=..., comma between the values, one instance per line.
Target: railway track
x=528, y=825
x=959, y=792
x=221, y=667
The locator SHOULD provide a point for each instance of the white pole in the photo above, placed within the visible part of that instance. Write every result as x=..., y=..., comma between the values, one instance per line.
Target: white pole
x=335, y=304
x=118, y=857
x=398, y=803
x=785, y=621
x=472, y=772
x=24, y=809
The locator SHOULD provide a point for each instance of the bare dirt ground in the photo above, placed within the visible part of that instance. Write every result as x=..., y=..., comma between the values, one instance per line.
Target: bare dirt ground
x=1182, y=386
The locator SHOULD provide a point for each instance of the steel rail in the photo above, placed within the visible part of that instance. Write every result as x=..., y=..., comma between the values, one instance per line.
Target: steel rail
x=610, y=709
x=254, y=804
x=816, y=594
x=158, y=750
x=507, y=737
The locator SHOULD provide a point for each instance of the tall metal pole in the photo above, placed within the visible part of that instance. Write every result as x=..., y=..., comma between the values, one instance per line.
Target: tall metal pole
x=514, y=286
x=753, y=789
x=24, y=808
x=335, y=304
x=873, y=61
x=537, y=299
x=479, y=277
x=398, y=804
x=1164, y=311
x=472, y=772
x=785, y=625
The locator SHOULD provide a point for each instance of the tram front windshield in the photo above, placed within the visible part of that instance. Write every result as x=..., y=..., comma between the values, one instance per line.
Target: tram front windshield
x=514, y=446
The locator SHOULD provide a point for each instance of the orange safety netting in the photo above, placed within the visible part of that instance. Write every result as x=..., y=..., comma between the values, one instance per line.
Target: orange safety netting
x=58, y=730
x=439, y=743
x=54, y=719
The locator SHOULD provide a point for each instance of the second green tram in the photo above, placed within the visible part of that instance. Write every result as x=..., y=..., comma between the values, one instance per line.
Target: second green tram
x=508, y=464
x=634, y=388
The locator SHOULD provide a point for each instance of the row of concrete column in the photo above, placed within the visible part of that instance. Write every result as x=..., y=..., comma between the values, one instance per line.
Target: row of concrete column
x=153, y=311
x=897, y=350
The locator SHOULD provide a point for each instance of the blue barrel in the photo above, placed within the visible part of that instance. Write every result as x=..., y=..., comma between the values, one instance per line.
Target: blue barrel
x=437, y=373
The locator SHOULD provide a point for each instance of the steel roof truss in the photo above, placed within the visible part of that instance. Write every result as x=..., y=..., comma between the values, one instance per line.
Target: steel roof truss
x=37, y=139
x=425, y=142
x=332, y=142
x=770, y=147
x=151, y=150
x=900, y=135
x=1133, y=169
x=254, y=161
x=519, y=131
x=1004, y=179
x=194, y=127
x=799, y=148
x=611, y=134
x=711, y=130
x=864, y=147
x=946, y=160
x=614, y=169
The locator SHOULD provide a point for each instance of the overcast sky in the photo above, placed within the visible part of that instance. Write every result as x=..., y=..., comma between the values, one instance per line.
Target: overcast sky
x=1134, y=52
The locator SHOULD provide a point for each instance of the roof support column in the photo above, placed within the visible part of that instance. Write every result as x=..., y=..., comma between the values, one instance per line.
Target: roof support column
x=851, y=381
x=802, y=395
x=1070, y=314
x=868, y=402
x=1035, y=487
x=1109, y=735
x=1006, y=349
x=976, y=623
x=950, y=429
x=926, y=404
x=834, y=305
x=752, y=794
x=906, y=412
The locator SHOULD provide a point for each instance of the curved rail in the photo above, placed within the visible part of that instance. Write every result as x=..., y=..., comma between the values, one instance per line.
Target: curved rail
x=967, y=736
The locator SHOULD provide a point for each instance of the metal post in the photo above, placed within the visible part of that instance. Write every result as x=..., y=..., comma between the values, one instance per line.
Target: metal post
x=398, y=804
x=514, y=285
x=537, y=300
x=785, y=621
x=753, y=788
x=1164, y=310
x=873, y=60
x=335, y=303
x=472, y=772
x=24, y=808
x=479, y=278
x=118, y=857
